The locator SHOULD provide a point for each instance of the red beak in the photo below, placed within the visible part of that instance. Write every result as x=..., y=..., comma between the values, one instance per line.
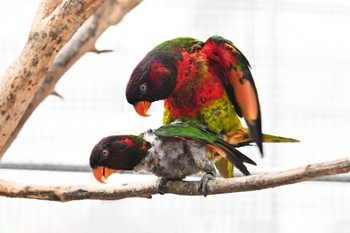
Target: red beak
x=102, y=173
x=142, y=107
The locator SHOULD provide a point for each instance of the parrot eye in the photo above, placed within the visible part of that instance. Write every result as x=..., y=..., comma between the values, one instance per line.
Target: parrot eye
x=143, y=88
x=105, y=152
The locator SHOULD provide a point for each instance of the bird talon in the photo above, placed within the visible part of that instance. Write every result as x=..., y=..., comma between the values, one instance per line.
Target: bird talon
x=161, y=185
x=203, y=183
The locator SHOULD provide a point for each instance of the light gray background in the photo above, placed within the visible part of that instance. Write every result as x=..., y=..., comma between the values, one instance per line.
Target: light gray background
x=299, y=52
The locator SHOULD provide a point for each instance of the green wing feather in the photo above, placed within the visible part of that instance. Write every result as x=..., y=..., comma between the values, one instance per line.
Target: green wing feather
x=185, y=130
x=190, y=131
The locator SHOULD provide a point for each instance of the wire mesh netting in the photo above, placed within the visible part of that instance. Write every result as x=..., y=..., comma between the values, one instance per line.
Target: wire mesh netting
x=299, y=53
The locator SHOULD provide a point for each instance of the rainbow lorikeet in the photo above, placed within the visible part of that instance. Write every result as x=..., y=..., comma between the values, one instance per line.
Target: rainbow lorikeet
x=206, y=82
x=171, y=152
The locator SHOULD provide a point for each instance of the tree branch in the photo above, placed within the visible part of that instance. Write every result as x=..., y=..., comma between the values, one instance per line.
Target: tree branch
x=147, y=189
x=44, y=71
x=54, y=25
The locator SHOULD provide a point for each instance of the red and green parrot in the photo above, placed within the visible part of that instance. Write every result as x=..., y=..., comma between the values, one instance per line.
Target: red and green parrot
x=208, y=83
x=171, y=152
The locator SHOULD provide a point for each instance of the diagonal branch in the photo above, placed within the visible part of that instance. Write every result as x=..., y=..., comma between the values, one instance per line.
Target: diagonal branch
x=110, y=13
x=147, y=189
x=54, y=25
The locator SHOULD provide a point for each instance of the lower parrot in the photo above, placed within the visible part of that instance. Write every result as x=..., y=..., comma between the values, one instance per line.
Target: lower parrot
x=171, y=152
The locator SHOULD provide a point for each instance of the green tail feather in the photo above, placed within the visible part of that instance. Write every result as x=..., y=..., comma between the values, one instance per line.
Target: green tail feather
x=266, y=138
x=273, y=138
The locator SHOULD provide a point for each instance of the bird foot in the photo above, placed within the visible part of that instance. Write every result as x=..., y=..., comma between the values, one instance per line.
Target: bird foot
x=203, y=183
x=162, y=184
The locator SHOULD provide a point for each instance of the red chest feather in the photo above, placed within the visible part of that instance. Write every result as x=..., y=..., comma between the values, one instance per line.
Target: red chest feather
x=197, y=86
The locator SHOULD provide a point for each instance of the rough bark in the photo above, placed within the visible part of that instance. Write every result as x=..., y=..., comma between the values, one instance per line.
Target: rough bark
x=44, y=60
x=147, y=189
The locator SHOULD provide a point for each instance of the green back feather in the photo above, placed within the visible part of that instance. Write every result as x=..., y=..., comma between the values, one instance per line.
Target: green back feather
x=185, y=130
x=173, y=46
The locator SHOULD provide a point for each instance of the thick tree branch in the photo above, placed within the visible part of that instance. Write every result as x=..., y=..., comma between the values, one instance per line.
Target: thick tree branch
x=54, y=25
x=147, y=189
x=40, y=70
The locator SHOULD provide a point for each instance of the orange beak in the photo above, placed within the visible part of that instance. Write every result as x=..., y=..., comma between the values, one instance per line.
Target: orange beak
x=102, y=173
x=142, y=107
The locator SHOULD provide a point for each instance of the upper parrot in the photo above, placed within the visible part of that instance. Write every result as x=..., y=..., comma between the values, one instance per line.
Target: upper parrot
x=172, y=152
x=205, y=82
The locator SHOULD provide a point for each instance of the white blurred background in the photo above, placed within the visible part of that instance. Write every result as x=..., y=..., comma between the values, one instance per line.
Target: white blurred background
x=300, y=54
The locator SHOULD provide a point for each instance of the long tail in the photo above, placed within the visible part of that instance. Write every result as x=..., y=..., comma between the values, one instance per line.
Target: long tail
x=233, y=155
x=237, y=158
x=273, y=138
x=243, y=139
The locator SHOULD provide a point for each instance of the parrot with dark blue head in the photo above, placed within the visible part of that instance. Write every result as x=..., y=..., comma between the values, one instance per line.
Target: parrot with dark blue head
x=207, y=83
x=171, y=152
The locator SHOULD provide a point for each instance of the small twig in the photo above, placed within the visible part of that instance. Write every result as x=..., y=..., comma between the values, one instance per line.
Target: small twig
x=147, y=189
x=94, y=50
